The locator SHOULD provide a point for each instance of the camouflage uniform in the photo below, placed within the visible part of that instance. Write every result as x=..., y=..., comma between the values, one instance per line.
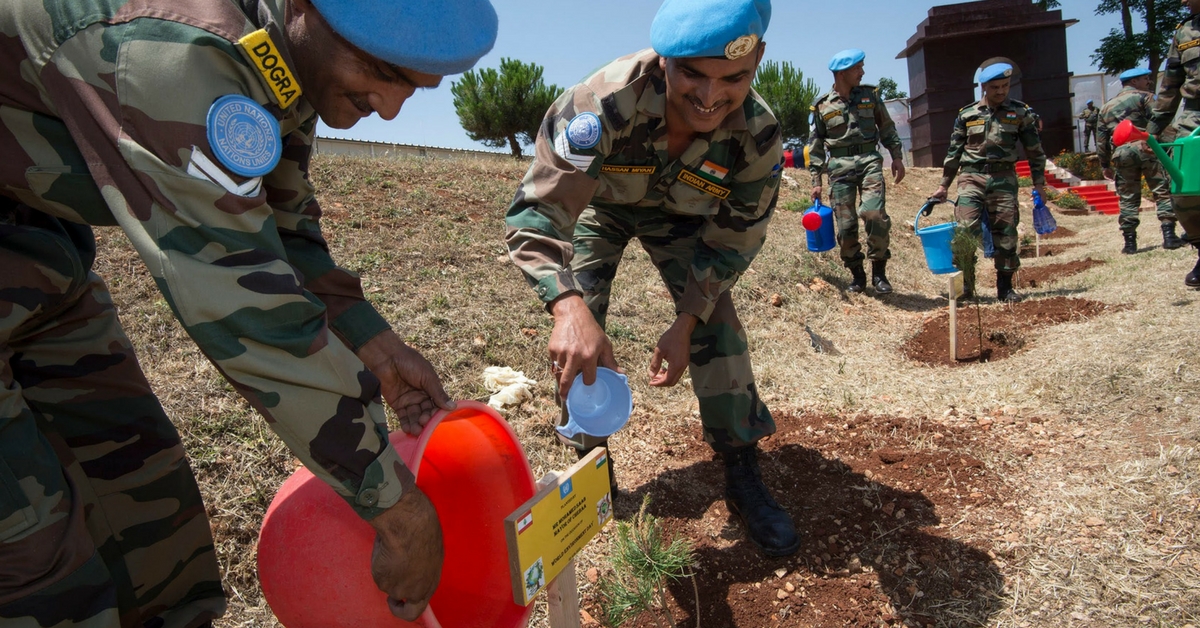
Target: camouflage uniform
x=1133, y=160
x=848, y=131
x=104, y=123
x=983, y=146
x=1177, y=111
x=1091, y=120
x=702, y=218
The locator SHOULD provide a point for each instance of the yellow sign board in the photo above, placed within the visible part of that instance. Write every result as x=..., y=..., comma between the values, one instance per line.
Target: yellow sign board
x=546, y=532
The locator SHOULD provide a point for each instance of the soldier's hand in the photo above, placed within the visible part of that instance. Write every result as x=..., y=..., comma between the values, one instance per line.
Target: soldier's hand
x=1040, y=189
x=409, y=383
x=816, y=193
x=898, y=170
x=406, y=561
x=577, y=344
x=675, y=348
x=1109, y=174
x=940, y=194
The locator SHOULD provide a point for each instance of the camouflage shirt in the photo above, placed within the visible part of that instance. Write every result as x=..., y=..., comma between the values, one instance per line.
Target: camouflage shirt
x=983, y=135
x=1129, y=104
x=1089, y=115
x=604, y=143
x=1180, y=77
x=104, y=117
x=860, y=120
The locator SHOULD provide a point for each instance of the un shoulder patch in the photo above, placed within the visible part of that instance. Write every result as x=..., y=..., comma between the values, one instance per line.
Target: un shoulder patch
x=244, y=137
x=584, y=130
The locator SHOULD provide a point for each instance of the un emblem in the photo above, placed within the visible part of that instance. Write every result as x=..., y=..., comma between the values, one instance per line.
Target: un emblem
x=741, y=46
x=584, y=130
x=244, y=137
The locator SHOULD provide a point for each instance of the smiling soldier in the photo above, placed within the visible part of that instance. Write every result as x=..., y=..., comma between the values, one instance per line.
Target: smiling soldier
x=671, y=147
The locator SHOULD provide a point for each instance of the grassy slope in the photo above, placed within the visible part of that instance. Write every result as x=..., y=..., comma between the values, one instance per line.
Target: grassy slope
x=1116, y=395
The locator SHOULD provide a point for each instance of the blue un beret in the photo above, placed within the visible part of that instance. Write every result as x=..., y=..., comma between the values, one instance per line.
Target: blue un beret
x=709, y=28
x=995, y=71
x=1134, y=73
x=432, y=36
x=846, y=59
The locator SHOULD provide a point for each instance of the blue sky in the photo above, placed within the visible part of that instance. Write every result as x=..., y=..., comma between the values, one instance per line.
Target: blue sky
x=570, y=38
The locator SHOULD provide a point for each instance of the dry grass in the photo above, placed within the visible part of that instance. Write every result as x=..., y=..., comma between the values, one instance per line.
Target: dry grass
x=1115, y=396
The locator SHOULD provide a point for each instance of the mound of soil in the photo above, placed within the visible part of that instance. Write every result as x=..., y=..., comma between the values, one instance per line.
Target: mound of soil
x=878, y=521
x=1046, y=250
x=1059, y=233
x=1037, y=276
x=1006, y=329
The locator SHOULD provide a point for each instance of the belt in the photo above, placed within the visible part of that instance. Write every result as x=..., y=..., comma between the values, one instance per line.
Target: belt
x=991, y=167
x=849, y=151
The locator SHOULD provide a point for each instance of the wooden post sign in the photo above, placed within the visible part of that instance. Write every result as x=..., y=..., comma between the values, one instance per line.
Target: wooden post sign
x=546, y=532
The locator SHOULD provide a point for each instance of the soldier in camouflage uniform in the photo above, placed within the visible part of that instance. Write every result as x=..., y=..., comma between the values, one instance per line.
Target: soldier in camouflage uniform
x=983, y=146
x=1134, y=159
x=1177, y=114
x=669, y=146
x=848, y=123
x=1091, y=118
x=189, y=124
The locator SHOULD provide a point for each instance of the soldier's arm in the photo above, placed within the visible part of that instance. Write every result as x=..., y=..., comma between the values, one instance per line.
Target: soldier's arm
x=816, y=147
x=1032, y=141
x=732, y=238
x=1168, y=91
x=298, y=216
x=888, y=135
x=216, y=253
x=558, y=186
x=958, y=142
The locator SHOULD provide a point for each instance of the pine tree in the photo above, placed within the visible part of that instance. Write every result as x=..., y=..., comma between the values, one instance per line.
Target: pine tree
x=790, y=96
x=505, y=107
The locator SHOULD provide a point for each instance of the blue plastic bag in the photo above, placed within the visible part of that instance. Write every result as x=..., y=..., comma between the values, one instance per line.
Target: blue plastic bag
x=1043, y=220
x=989, y=249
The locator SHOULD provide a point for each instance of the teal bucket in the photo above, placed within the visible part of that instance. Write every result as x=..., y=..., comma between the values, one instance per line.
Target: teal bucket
x=936, y=242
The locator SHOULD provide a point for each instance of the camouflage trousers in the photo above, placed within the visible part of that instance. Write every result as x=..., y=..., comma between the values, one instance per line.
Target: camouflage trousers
x=1187, y=208
x=731, y=411
x=859, y=178
x=1089, y=135
x=997, y=195
x=101, y=520
x=1130, y=163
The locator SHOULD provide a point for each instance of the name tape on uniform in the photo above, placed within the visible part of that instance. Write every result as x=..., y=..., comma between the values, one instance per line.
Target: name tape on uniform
x=704, y=185
x=265, y=56
x=616, y=169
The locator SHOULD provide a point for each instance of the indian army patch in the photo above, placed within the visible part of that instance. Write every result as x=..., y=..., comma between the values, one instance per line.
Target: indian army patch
x=741, y=46
x=704, y=185
x=243, y=136
x=583, y=131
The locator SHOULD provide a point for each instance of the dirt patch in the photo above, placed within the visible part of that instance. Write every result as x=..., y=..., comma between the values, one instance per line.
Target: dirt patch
x=1059, y=233
x=1037, y=276
x=1006, y=329
x=875, y=515
x=1045, y=250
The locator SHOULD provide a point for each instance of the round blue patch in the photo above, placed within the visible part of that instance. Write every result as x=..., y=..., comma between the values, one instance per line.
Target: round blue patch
x=243, y=136
x=584, y=130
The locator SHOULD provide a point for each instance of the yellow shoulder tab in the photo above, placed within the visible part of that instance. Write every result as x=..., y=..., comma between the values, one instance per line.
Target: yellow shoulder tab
x=276, y=74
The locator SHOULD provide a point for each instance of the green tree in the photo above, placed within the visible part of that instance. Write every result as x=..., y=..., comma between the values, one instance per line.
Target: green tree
x=889, y=90
x=503, y=107
x=1123, y=49
x=790, y=97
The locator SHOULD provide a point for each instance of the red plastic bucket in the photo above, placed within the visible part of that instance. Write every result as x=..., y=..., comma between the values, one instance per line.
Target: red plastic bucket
x=314, y=552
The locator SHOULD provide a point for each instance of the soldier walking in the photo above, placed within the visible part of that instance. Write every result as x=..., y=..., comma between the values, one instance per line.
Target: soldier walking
x=983, y=146
x=848, y=123
x=1091, y=117
x=1177, y=113
x=1127, y=164
x=669, y=146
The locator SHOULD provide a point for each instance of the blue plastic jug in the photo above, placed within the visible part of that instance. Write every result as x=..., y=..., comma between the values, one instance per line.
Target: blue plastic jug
x=821, y=238
x=1043, y=220
x=936, y=242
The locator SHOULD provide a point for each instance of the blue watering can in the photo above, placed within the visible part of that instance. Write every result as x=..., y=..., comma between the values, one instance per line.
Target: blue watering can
x=936, y=241
x=818, y=222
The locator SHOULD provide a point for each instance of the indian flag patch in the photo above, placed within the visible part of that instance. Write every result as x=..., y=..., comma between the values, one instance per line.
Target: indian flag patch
x=713, y=171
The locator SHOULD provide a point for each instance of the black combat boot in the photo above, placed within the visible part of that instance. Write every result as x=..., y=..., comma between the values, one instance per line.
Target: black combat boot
x=612, y=475
x=859, y=281
x=1193, y=278
x=1130, y=243
x=879, y=277
x=1170, y=240
x=1004, y=287
x=768, y=524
